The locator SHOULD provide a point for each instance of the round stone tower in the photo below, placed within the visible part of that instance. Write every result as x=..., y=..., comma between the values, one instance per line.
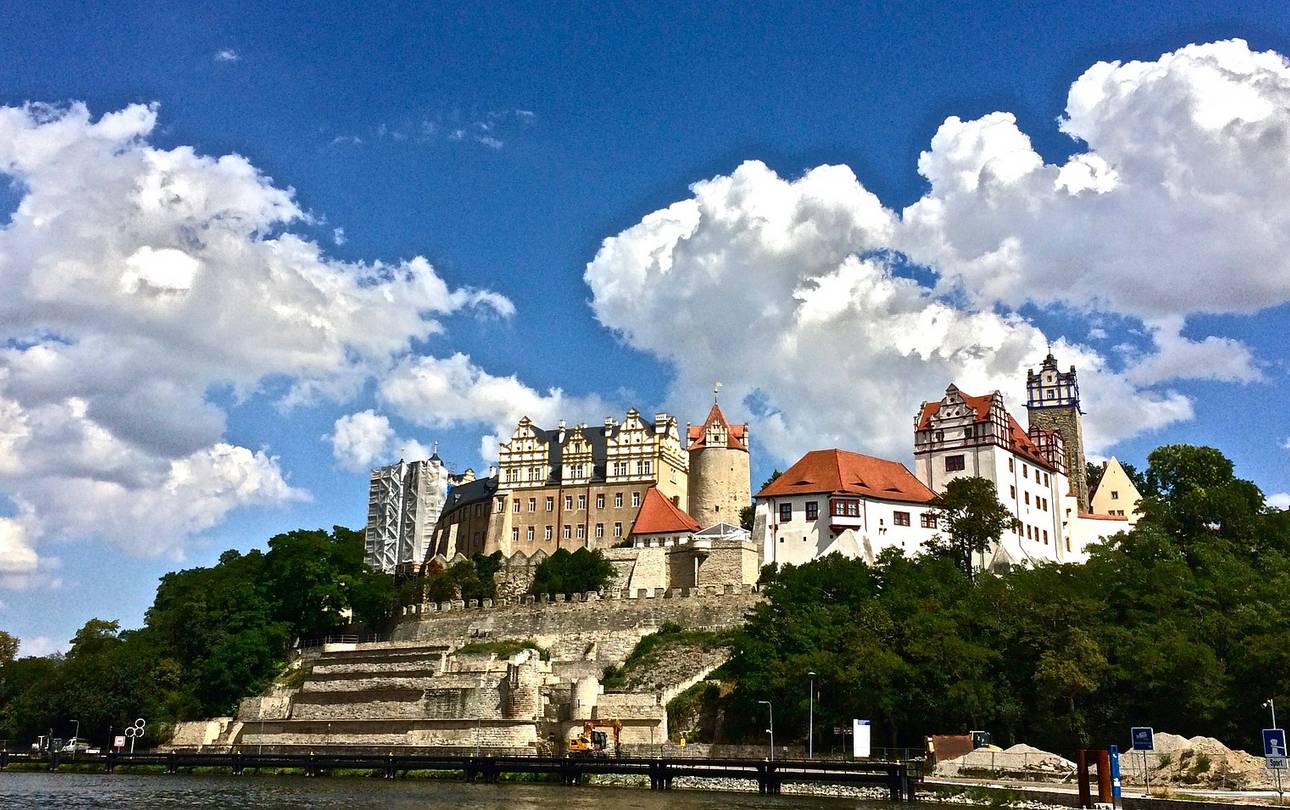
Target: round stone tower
x=719, y=485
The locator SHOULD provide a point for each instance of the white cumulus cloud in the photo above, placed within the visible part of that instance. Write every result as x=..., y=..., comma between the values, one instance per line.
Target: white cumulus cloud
x=134, y=280
x=779, y=289
x=1175, y=206
x=365, y=439
x=454, y=392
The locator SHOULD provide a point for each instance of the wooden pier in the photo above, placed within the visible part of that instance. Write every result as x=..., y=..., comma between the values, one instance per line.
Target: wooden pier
x=899, y=778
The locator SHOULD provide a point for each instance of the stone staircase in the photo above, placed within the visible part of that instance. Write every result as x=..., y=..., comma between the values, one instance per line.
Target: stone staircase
x=384, y=695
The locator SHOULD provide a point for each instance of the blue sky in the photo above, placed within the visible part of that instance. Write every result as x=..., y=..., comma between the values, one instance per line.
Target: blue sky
x=504, y=146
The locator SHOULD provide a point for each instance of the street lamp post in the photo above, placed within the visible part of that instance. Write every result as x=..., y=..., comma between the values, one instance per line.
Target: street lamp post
x=771, y=730
x=1273, y=706
x=810, y=719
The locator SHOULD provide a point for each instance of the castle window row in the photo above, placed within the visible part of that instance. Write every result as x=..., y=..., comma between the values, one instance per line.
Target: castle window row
x=568, y=531
x=570, y=503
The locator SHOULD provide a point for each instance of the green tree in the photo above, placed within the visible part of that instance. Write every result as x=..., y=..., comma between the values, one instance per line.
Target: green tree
x=972, y=517
x=577, y=572
x=8, y=647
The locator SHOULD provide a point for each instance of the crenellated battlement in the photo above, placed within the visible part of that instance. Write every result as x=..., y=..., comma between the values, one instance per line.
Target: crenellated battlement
x=626, y=594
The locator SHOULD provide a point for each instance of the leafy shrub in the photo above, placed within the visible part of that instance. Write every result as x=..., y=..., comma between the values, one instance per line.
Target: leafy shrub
x=578, y=572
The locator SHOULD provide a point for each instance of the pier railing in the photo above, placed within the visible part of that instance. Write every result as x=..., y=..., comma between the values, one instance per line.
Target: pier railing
x=899, y=778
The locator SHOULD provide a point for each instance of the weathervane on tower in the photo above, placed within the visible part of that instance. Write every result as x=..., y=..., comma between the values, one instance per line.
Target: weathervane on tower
x=716, y=389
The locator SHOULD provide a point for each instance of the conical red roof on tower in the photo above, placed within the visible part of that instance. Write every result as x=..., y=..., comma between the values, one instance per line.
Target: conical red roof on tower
x=658, y=515
x=736, y=435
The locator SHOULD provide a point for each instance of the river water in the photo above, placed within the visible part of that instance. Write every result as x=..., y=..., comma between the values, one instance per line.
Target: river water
x=71, y=790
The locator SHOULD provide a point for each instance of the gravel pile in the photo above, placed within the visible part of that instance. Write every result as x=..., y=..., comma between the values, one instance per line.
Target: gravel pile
x=1020, y=760
x=1196, y=762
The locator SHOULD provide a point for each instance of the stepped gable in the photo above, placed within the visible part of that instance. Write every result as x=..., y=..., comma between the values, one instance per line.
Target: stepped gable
x=736, y=435
x=981, y=405
x=658, y=515
x=828, y=471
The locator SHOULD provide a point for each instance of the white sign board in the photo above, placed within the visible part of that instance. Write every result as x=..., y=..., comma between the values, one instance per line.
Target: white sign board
x=860, y=739
x=118, y=741
x=1276, y=763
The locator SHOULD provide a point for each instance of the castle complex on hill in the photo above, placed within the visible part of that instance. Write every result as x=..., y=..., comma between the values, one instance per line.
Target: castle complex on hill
x=663, y=507
x=834, y=501
x=642, y=483
x=584, y=487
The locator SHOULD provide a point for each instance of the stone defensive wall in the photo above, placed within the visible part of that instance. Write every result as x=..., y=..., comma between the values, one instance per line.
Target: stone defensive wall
x=596, y=628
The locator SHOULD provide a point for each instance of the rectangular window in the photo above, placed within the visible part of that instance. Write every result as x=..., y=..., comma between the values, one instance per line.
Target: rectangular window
x=846, y=507
x=550, y=504
x=648, y=467
x=618, y=530
x=1013, y=492
x=1115, y=495
x=581, y=532
x=1027, y=494
x=618, y=500
x=501, y=505
x=528, y=534
x=532, y=504
x=600, y=501
x=955, y=463
x=1045, y=537
x=1045, y=479
x=582, y=502
x=1025, y=472
x=1010, y=465
x=515, y=505
x=515, y=535
x=927, y=520
x=785, y=512
x=812, y=510
x=546, y=532
x=600, y=530
x=636, y=499
x=900, y=518
x=568, y=532
x=568, y=502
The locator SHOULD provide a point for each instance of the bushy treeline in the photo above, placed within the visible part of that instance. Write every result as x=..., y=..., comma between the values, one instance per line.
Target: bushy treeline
x=572, y=572
x=1179, y=624
x=212, y=636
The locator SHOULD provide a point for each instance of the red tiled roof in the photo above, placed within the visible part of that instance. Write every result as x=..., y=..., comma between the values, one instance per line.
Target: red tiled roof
x=658, y=515
x=979, y=404
x=736, y=435
x=1021, y=442
x=1093, y=516
x=1023, y=445
x=841, y=471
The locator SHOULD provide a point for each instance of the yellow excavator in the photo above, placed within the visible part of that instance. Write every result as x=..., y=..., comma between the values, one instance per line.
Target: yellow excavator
x=593, y=741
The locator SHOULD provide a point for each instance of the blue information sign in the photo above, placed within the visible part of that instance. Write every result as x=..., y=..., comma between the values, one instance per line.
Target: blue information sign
x=1274, y=742
x=1116, y=789
x=1144, y=738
